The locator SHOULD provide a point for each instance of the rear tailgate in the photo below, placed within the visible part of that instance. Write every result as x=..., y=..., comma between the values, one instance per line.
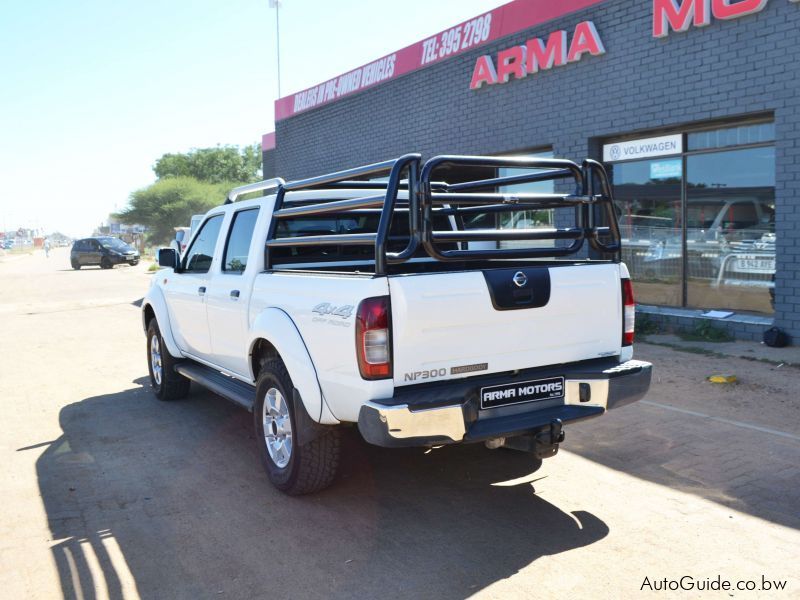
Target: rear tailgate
x=461, y=324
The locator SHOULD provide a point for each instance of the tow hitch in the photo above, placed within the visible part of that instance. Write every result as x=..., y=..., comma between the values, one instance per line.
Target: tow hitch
x=542, y=444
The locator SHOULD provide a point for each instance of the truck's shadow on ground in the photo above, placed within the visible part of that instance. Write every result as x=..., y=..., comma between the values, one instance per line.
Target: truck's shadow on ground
x=170, y=499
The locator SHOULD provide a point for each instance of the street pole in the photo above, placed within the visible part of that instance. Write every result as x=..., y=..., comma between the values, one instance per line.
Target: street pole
x=276, y=4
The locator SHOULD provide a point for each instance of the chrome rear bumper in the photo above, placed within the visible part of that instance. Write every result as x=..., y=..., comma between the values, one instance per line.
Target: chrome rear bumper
x=589, y=392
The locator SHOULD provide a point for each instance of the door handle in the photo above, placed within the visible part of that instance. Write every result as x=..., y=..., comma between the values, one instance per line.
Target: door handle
x=234, y=294
x=201, y=290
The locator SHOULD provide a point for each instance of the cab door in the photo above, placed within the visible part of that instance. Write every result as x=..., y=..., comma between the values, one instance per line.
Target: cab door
x=186, y=289
x=227, y=294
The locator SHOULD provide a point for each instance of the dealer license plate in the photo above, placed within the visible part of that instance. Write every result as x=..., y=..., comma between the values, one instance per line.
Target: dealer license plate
x=522, y=391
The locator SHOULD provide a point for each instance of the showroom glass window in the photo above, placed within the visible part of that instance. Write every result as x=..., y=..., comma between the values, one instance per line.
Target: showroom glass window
x=699, y=228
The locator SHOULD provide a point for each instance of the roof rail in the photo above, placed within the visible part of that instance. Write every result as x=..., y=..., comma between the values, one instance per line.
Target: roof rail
x=258, y=186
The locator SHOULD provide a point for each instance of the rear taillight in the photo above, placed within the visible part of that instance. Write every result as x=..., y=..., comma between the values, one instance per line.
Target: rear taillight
x=374, y=338
x=628, y=313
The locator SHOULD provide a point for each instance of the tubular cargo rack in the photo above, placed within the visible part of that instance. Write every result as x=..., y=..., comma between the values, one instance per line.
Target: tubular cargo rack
x=410, y=189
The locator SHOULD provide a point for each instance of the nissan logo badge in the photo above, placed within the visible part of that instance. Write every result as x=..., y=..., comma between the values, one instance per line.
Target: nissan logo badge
x=520, y=279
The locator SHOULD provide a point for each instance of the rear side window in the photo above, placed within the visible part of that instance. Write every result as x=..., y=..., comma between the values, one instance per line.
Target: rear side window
x=198, y=258
x=239, y=239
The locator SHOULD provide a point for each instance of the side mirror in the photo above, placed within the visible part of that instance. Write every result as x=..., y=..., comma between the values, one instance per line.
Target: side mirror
x=179, y=235
x=167, y=257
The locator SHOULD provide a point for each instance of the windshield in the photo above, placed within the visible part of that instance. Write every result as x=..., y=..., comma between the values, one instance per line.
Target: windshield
x=113, y=243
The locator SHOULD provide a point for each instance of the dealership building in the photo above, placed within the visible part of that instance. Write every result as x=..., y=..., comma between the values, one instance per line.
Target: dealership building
x=692, y=105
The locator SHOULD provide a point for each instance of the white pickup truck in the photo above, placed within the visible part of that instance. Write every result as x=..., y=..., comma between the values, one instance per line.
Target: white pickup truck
x=368, y=298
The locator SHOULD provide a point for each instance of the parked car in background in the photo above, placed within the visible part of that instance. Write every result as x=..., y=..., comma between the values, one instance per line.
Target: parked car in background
x=182, y=236
x=193, y=223
x=104, y=252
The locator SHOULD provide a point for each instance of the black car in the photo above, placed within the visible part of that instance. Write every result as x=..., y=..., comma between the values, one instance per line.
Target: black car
x=102, y=251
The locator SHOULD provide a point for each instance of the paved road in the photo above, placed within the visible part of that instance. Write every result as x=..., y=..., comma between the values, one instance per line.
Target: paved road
x=110, y=493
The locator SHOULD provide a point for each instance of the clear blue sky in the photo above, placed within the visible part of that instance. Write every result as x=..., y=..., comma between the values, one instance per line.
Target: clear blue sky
x=93, y=92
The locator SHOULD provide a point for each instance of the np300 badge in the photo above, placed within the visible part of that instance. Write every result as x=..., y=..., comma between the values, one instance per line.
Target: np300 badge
x=524, y=391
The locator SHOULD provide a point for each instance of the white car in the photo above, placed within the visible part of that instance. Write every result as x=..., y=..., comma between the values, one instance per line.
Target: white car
x=331, y=302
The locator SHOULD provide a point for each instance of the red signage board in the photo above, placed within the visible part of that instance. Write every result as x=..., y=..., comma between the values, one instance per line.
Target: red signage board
x=518, y=61
x=503, y=21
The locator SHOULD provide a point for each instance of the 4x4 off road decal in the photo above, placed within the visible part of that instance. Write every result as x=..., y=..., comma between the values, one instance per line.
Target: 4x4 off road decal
x=345, y=311
x=332, y=314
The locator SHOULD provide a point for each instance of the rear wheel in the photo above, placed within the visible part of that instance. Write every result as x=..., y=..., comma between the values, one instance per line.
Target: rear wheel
x=294, y=465
x=75, y=264
x=167, y=383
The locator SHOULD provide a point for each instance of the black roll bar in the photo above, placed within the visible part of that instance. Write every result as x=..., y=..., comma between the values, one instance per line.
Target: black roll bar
x=428, y=198
x=386, y=202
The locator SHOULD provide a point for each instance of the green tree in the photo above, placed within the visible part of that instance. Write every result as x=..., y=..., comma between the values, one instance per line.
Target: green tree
x=189, y=183
x=214, y=165
x=171, y=202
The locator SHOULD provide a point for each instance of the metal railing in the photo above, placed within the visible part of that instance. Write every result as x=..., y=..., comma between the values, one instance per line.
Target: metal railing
x=266, y=186
x=410, y=189
x=465, y=198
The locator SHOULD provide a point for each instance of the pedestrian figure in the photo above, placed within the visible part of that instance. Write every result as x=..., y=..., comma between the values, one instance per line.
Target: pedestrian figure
x=47, y=248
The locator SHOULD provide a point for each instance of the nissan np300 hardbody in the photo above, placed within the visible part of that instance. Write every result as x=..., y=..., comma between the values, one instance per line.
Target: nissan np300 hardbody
x=424, y=303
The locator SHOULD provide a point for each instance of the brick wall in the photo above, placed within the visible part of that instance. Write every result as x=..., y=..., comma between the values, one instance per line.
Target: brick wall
x=268, y=164
x=728, y=69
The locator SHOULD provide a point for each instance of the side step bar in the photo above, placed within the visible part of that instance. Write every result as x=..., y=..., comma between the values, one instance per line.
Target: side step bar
x=229, y=388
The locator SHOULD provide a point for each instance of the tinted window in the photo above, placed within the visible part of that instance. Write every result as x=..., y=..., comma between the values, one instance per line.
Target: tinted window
x=238, y=246
x=200, y=255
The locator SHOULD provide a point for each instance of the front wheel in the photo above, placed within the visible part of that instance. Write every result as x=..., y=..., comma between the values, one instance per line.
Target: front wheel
x=167, y=383
x=294, y=465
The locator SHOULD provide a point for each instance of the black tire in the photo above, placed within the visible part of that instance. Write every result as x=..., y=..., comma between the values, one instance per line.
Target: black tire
x=168, y=384
x=76, y=265
x=105, y=263
x=312, y=464
x=134, y=263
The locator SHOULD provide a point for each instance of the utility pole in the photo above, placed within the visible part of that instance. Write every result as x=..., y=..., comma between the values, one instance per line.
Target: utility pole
x=276, y=4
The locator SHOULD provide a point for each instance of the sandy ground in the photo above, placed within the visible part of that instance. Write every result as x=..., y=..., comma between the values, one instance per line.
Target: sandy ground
x=110, y=493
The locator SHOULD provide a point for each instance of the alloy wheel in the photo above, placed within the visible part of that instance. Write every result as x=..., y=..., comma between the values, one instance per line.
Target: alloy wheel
x=277, y=427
